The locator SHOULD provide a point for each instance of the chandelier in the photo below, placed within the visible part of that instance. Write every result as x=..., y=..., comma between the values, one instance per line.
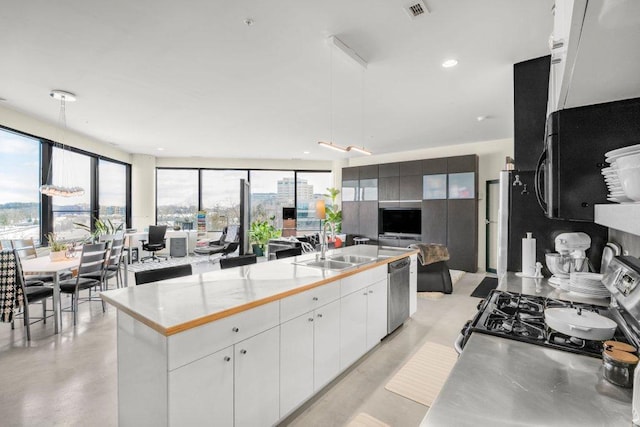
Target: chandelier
x=64, y=189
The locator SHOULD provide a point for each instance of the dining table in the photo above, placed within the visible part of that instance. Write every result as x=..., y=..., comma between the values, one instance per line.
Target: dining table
x=45, y=266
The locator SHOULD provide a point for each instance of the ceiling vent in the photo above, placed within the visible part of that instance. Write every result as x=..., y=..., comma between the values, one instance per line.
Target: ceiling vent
x=415, y=8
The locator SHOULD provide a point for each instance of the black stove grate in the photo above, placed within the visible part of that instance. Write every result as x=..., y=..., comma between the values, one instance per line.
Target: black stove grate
x=521, y=317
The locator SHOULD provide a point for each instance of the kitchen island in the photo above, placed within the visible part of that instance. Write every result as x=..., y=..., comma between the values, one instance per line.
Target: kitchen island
x=247, y=345
x=503, y=382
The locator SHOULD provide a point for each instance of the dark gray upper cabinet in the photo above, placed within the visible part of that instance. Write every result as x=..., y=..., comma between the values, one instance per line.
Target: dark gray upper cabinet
x=410, y=168
x=411, y=187
x=462, y=164
x=434, y=166
x=530, y=89
x=389, y=188
x=368, y=172
x=352, y=173
x=389, y=169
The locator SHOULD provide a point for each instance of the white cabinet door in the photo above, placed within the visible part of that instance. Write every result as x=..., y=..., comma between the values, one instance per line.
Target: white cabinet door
x=376, y=313
x=413, y=285
x=202, y=392
x=326, y=344
x=257, y=379
x=296, y=362
x=353, y=327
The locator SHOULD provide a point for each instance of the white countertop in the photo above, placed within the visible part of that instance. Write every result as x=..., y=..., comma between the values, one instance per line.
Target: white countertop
x=172, y=306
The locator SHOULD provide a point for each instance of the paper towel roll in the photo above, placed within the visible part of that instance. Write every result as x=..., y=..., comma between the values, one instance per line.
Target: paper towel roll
x=529, y=256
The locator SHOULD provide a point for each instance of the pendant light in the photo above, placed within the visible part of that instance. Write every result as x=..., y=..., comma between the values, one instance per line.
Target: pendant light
x=64, y=189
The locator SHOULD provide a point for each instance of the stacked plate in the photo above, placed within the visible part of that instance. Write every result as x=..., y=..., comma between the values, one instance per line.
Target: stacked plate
x=588, y=284
x=622, y=162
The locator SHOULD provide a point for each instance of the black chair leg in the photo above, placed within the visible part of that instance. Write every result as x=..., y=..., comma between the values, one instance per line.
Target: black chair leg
x=25, y=315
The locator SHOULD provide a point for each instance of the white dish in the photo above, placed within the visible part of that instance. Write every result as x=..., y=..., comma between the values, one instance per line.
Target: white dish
x=580, y=323
x=613, y=154
x=628, y=161
x=630, y=182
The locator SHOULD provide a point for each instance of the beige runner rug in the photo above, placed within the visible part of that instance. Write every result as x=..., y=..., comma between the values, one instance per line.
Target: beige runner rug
x=366, y=420
x=422, y=377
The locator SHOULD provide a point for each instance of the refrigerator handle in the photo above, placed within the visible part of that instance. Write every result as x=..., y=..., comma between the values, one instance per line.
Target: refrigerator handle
x=538, y=184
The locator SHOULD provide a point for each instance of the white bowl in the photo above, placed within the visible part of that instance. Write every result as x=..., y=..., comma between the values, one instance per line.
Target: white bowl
x=630, y=181
x=629, y=161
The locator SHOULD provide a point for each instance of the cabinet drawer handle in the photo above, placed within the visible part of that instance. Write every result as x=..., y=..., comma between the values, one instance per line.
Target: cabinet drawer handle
x=370, y=292
x=243, y=351
x=235, y=330
x=365, y=294
x=319, y=314
x=227, y=359
x=310, y=319
x=315, y=298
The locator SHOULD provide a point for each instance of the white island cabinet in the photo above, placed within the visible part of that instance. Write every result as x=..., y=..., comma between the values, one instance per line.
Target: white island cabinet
x=244, y=346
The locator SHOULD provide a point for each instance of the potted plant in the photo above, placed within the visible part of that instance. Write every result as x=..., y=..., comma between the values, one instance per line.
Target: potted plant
x=260, y=232
x=57, y=248
x=333, y=212
x=102, y=228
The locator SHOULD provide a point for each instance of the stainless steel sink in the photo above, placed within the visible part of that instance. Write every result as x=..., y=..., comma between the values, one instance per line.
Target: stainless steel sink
x=328, y=264
x=353, y=259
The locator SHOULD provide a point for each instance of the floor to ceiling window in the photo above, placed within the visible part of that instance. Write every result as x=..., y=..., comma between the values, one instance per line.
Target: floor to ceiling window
x=112, y=192
x=311, y=187
x=176, y=196
x=221, y=197
x=20, y=181
x=71, y=169
x=270, y=192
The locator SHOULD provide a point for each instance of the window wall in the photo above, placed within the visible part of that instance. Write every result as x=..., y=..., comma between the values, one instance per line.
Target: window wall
x=19, y=188
x=311, y=187
x=27, y=161
x=71, y=169
x=270, y=192
x=176, y=196
x=221, y=197
x=181, y=193
x=112, y=192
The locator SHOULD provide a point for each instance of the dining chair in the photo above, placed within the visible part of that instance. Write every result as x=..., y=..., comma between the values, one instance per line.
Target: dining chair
x=237, y=261
x=27, y=250
x=156, y=242
x=114, y=259
x=157, y=274
x=286, y=253
x=15, y=297
x=90, y=275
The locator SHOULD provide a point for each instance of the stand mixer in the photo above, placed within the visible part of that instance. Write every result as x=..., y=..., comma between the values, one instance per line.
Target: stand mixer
x=570, y=257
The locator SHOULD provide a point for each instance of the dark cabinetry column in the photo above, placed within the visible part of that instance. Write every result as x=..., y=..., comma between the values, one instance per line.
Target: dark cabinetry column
x=434, y=221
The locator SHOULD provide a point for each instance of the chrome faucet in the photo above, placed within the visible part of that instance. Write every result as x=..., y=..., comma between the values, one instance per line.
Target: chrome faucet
x=323, y=243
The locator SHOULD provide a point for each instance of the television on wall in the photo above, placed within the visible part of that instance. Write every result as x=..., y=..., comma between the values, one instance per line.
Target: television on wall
x=401, y=222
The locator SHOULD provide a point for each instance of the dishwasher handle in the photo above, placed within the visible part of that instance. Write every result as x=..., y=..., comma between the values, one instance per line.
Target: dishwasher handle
x=399, y=265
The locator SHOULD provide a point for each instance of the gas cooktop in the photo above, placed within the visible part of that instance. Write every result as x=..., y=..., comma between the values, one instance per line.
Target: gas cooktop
x=521, y=317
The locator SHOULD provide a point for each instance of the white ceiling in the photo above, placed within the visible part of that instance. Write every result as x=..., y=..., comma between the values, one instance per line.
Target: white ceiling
x=192, y=78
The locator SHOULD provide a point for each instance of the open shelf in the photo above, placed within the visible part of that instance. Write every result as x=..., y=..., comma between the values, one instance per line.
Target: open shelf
x=623, y=217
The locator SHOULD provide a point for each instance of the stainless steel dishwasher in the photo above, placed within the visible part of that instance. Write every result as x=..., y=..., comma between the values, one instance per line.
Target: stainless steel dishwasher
x=397, y=294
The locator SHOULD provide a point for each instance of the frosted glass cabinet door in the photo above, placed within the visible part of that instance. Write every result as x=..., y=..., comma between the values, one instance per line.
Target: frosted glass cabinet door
x=462, y=185
x=257, y=380
x=434, y=187
x=201, y=393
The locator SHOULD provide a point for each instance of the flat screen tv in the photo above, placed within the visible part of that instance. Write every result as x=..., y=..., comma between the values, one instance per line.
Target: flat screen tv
x=401, y=221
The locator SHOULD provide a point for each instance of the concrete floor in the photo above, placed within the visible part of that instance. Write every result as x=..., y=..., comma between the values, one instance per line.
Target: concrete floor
x=70, y=378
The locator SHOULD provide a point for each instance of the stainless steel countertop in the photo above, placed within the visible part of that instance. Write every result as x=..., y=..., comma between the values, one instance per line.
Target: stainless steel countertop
x=541, y=287
x=502, y=382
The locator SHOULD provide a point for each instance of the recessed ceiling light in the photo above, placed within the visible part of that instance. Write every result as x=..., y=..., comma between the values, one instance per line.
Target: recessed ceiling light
x=481, y=118
x=449, y=63
x=306, y=152
x=249, y=22
x=160, y=149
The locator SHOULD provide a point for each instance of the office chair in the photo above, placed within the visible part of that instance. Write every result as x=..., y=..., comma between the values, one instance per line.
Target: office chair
x=227, y=244
x=156, y=242
x=157, y=274
x=237, y=261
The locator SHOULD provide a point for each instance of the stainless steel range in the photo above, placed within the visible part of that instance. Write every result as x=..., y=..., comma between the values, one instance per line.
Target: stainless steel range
x=522, y=317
